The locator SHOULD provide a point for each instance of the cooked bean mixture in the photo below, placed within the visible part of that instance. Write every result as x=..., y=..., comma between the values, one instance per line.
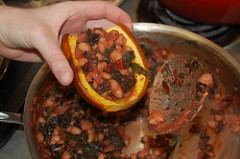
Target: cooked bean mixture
x=67, y=127
x=106, y=61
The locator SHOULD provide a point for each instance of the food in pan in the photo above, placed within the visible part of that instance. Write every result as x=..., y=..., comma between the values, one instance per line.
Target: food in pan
x=109, y=67
x=66, y=126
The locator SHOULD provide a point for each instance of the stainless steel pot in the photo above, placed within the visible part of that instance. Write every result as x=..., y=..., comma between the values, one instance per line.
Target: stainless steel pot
x=214, y=58
x=26, y=118
x=4, y=63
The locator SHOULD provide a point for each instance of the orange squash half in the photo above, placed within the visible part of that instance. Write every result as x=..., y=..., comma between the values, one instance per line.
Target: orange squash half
x=69, y=43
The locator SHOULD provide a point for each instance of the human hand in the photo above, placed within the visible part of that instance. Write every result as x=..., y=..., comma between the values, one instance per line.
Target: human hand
x=33, y=34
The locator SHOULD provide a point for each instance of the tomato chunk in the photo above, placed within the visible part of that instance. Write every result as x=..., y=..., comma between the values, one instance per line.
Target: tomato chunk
x=78, y=54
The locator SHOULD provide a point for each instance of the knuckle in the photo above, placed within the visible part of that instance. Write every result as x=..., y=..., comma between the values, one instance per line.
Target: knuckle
x=55, y=58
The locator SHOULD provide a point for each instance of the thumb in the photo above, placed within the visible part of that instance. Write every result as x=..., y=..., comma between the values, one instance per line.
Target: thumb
x=51, y=52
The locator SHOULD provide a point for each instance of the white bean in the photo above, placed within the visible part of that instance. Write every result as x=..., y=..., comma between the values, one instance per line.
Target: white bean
x=100, y=136
x=115, y=55
x=74, y=130
x=80, y=151
x=123, y=155
x=124, y=72
x=90, y=136
x=101, y=47
x=158, y=151
x=101, y=156
x=143, y=153
x=218, y=117
x=109, y=148
x=206, y=79
x=121, y=40
x=56, y=131
x=95, y=85
x=41, y=120
x=212, y=124
x=116, y=89
x=56, y=138
x=235, y=124
x=164, y=53
x=101, y=66
x=86, y=125
x=99, y=31
x=100, y=56
x=133, y=156
x=39, y=137
x=66, y=155
x=82, y=62
x=146, y=138
x=106, y=76
x=50, y=101
x=84, y=47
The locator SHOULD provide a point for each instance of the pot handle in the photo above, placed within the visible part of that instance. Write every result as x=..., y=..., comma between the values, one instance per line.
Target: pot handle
x=9, y=117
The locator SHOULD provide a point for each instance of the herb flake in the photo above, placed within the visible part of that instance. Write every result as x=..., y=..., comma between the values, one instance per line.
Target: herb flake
x=138, y=69
x=128, y=57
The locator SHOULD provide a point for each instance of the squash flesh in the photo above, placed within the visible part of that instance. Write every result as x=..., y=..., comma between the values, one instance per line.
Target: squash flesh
x=138, y=89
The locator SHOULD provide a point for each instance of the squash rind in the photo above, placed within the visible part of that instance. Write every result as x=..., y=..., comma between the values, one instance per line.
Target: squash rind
x=90, y=95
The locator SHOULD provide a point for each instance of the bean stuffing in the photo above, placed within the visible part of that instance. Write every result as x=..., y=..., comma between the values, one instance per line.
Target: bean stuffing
x=106, y=61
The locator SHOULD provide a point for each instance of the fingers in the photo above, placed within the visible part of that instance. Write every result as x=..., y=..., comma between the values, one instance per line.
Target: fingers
x=30, y=55
x=51, y=52
x=87, y=14
x=60, y=68
x=102, y=10
x=104, y=23
x=62, y=18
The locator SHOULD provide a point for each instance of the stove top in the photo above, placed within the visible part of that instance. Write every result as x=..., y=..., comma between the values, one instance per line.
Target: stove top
x=153, y=11
x=13, y=90
x=16, y=81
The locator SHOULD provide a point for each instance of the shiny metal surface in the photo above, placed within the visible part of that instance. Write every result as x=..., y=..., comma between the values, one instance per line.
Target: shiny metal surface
x=234, y=49
x=43, y=75
x=215, y=60
x=165, y=37
x=223, y=60
x=8, y=117
x=169, y=98
x=178, y=36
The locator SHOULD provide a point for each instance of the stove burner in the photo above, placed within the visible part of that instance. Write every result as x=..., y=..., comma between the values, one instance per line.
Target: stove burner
x=153, y=11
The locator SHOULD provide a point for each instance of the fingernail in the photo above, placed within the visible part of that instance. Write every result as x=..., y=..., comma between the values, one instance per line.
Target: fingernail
x=65, y=78
x=130, y=27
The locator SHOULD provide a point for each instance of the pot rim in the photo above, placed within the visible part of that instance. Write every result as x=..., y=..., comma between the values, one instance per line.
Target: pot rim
x=175, y=31
x=143, y=27
x=27, y=115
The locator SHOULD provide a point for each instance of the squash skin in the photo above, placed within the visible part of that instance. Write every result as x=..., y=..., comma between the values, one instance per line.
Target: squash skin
x=96, y=101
